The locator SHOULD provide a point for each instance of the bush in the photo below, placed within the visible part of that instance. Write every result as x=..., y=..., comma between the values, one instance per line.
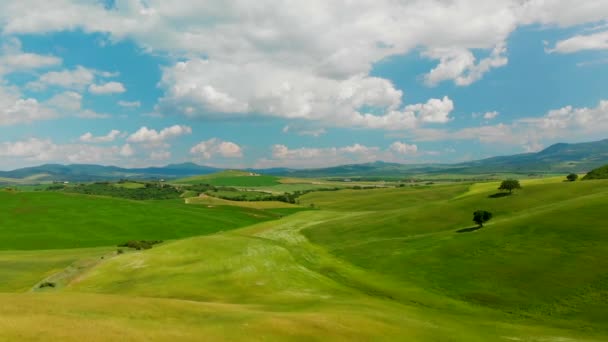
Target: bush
x=572, y=177
x=46, y=284
x=140, y=244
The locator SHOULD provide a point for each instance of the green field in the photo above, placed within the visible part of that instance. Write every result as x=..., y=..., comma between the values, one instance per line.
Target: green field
x=48, y=220
x=394, y=264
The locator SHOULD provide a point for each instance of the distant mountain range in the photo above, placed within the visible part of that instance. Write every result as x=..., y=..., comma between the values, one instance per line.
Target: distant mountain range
x=558, y=158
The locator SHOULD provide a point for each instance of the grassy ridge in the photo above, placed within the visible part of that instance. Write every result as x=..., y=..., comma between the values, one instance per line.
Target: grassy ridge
x=46, y=220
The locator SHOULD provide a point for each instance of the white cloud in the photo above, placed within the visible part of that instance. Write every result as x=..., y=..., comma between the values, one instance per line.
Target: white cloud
x=45, y=150
x=241, y=58
x=294, y=94
x=286, y=67
x=12, y=59
x=403, y=148
x=461, y=66
x=107, y=88
x=15, y=109
x=310, y=157
x=127, y=104
x=566, y=123
x=595, y=41
x=491, y=115
x=152, y=137
x=76, y=79
x=90, y=138
x=212, y=147
x=66, y=101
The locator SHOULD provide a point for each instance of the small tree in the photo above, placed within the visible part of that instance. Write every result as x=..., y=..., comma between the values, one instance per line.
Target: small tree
x=509, y=185
x=481, y=216
x=572, y=177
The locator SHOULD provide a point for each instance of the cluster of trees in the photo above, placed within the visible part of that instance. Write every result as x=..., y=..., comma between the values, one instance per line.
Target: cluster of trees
x=150, y=191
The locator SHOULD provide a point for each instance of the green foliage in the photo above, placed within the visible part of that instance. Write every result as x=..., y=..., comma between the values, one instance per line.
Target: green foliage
x=481, y=216
x=147, y=191
x=599, y=173
x=140, y=244
x=572, y=177
x=46, y=284
x=509, y=185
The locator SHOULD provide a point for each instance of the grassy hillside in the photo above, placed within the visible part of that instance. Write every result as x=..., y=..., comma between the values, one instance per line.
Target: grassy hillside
x=541, y=256
x=398, y=264
x=599, y=173
x=46, y=220
x=232, y=178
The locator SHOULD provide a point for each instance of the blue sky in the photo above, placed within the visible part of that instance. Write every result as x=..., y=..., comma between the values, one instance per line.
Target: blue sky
x=224, y=83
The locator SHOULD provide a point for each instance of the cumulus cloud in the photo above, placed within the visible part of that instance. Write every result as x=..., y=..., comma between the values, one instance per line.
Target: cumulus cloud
x=152, y=137
x=13, y=59
x=90, y=138
x=530, y=133
x=45, y=150
x=66, y=101
x=293, y=94
x=16, y=109
x=595, y=41
x=77, y=79
x=461, y=66
x=286, y=67
x=214, y=146
x=107, y=88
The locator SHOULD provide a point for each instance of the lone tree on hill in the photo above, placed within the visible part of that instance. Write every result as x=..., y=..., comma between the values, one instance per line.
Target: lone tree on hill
x=572, y=177
x=510, y=185
x=481, y=216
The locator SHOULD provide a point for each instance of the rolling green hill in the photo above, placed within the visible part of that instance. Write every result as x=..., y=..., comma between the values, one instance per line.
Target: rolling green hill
x=599, y=173
x=47, y=220
x=395, y=264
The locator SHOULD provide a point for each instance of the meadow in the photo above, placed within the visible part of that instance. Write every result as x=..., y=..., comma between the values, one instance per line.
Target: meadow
x=399, y=263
